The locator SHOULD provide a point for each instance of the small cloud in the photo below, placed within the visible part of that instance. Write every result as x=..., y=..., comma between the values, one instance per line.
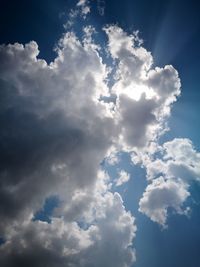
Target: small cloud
x=123, y=178
x=162, y=194
x=85, y=9
x=81, y=2
x=113, y=159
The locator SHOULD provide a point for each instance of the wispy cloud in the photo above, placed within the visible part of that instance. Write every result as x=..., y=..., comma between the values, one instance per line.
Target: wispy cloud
x=101, y=6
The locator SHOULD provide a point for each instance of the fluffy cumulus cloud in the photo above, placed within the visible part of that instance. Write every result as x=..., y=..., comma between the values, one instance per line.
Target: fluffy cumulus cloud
x=170, y=176
x=55, y=134
x=144, y=95
x=109, y=231
x=59, y=122
x=160, y=195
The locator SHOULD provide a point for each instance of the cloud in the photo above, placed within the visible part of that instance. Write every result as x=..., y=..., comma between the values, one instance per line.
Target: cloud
x=58, y=129
x=143, y=95
x=160, y=195
x=81, y=2
x=179, y=159
x=56, y=133
x=85, y=9
x=62, y=243
x=179, y=166
x=47, y=131
x=123, y=178
x=165, y=83
x=80, y=12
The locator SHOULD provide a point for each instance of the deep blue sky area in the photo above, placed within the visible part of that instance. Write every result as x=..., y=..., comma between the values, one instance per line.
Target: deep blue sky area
x=171, y=31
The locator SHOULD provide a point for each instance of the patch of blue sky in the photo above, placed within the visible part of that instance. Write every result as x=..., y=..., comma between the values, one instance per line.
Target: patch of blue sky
x=2, y=241
x=178, y=245
x=46, y=212
x=137, y=181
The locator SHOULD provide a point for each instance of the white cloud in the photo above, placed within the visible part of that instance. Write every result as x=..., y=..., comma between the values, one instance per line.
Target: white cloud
x=112, y=157
x=160, y=195
x=80, y=12
x=179, y=160
x=81, y=2
x=85, y=9
x=165, y=82
x=180, y=165
x=61, y=243
x=123, y=178
x=144, y=95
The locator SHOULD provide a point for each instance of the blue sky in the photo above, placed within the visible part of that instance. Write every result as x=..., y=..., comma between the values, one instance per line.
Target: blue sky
x=63, y=149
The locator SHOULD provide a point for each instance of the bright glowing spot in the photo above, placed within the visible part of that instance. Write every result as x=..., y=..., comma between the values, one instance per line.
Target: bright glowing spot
x=135, y=91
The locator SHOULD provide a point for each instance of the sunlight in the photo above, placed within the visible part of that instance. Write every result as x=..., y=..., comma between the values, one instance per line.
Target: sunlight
x=135, y=91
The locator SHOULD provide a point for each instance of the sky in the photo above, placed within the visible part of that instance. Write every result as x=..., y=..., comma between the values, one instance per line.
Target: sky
x=99, y=139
